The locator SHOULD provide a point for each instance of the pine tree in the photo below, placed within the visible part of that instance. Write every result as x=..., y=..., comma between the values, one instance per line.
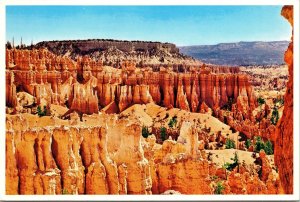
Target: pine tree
x=145, y=132
x=248, y=143
x=163, y=133
x=269, y=148
x=229, y=144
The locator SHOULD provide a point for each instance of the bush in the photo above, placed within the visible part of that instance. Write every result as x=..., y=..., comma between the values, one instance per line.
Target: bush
x=145, y=132
x=219, y=188
x=172, y=122
x=229, y=144
x=248, y=143
x=269, y=148
x=259, y=144
x=235, y=159
x=40, y=112
x=279, y=101
x=8, y=45
x=275, y=116
x=227, y=166
x=236, y=162
x=163, y=133
x=261, y=101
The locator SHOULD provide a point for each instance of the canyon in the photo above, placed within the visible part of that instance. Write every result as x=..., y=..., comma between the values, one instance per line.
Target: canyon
x=77, y=148
x=86, y=85
x=49, y=155
x=81, y=120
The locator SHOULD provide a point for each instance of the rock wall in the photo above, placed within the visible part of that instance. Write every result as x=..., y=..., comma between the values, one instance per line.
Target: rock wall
x=112, y=52
x=73, y=160
x=86, y=86
x=284, y=131
x=94, y=44
x=102, y=160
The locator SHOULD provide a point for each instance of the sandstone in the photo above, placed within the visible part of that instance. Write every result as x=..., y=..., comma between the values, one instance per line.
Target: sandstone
x=85, y=85
x=100, y=149
x=265, y=167
x=103, y=160
x=284, y=130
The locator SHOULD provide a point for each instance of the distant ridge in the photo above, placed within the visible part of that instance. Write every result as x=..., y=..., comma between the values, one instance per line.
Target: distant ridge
x=112, y=52
x=239, y=53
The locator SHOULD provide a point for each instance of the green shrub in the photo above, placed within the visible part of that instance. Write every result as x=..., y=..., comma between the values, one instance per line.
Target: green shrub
x=227, y=165
x=279, y=101
x=275, y=116
x=145, y=132
x=40, y=112
x=231, y=166
x=269, y=148
x=219, y=188
x=261, y=101
x=172, y=122
x=235, y=159
x=163, y=133
x=259, y=144
x=229, y=144
x=248, y=143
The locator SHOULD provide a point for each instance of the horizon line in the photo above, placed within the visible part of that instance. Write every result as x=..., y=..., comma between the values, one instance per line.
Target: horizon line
x=137, y=40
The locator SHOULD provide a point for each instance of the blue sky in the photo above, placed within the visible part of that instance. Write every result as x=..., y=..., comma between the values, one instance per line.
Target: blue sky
x=182, y=25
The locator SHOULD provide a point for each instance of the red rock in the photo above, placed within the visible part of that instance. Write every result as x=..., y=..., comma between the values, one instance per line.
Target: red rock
x=283, y=151
x=111, y=108
x=265, y=167
x=195, y=96
x=60, y=80
x=221, y=173
x=181, y=101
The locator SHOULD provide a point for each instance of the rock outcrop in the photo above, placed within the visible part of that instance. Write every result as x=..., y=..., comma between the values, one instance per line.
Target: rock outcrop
x=284, y=130
x=86, y=85
x=106, y=154
x=74, y=160
x=111, y=52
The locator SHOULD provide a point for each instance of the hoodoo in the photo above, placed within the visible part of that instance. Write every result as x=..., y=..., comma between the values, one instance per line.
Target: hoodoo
x=136, y=117
x=86, y=86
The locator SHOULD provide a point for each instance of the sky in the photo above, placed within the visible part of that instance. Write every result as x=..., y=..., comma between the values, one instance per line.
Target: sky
x=182, y=25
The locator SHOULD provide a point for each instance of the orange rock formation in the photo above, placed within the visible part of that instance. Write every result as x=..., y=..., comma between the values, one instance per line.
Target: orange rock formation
x=284, y=131
x=86, y=86
x=113, y=158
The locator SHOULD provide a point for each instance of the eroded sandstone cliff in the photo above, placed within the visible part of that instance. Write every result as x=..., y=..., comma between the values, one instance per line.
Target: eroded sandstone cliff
x=73, y=160
x=284, y=130
x=86, y=85
x=52, y=156
x=104, y=152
